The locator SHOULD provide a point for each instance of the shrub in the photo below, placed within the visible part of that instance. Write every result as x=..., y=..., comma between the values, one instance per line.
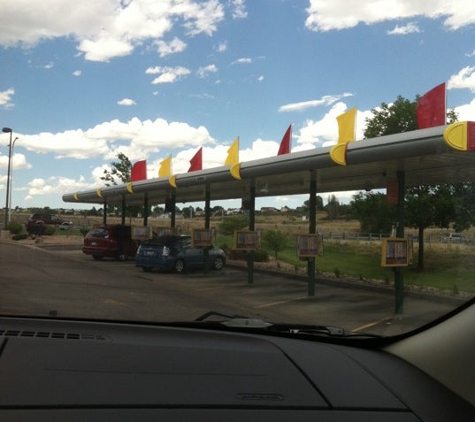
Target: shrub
x=84, y=231
x=225, y=248
x=49, y=231
x=261, y=255
x=15, y=227
x=36, y=229
x=20, y=236
x=237, y=255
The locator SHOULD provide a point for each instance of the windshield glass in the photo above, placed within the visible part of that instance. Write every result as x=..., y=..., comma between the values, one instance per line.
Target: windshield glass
x=302, y=162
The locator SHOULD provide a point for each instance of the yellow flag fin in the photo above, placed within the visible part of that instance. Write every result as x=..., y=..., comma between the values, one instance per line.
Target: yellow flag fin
x=461, y=136
x=235, y=171
x=338, y=154
x=172, y=181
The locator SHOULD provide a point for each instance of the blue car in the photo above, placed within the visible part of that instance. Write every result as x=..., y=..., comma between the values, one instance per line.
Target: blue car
x=176, y=253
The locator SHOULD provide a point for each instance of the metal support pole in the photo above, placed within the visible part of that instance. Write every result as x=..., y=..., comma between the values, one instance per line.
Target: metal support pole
x=173, y=216
x=311, y=267
x=7, y=205
x=398, y=273
x=207, y=224
x=123, y=211
x=104, y=212
x=252, y=227
x=145, y=209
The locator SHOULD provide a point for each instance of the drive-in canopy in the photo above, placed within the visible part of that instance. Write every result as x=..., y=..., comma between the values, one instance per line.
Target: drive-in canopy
x=422, y=155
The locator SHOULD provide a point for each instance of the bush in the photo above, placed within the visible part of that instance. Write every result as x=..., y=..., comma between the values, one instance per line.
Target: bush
x=36, y=229
x=261, y=256
x=225, y=248
x=21, y=236
x=50, y=230
x=15, y=227
x=238, y=255
x=84, y=231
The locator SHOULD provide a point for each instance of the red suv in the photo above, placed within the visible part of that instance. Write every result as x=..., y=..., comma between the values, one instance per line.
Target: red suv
x=113, y=241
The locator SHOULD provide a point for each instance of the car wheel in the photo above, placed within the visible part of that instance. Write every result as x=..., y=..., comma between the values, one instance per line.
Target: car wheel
x=147, y=269
x=179, y=266
x=218, y=263
x=97, y=257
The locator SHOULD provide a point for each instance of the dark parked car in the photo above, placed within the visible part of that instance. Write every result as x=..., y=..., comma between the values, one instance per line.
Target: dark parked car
x=36, y=222
x=113, y=241
x=176, y=253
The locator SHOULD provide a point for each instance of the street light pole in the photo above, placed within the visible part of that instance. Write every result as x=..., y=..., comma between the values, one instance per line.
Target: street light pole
x=7, y=206
x=11, y=182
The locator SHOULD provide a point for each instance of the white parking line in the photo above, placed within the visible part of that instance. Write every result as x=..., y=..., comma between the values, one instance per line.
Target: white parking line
x=267, y=305
x=372, y=324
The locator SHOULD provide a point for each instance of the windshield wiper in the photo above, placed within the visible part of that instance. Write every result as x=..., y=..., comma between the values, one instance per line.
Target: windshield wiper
x=219, y=314
x=240, y=321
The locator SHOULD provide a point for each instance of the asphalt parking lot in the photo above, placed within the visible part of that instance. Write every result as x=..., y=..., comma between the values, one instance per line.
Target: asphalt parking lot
x=119, y=290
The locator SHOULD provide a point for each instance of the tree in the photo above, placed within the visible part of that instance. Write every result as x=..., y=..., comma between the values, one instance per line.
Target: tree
x=425, y=206
x=306, y=204
x=464, y=205
x=398, y=117
x=121, y=171
x=276, y=241
x=229, y=224
x=373, y=212
x=333, y=207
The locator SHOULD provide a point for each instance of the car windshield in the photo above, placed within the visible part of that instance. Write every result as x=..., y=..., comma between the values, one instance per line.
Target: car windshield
x=304, y=162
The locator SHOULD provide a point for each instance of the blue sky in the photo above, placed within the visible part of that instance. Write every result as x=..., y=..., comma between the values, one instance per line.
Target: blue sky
x=82, y=81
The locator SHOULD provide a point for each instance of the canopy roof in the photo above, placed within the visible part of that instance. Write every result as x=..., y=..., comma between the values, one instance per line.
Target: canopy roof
x=423, y=155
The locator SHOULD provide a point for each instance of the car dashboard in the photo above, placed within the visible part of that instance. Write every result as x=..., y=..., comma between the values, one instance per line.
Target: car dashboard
x=57, y=370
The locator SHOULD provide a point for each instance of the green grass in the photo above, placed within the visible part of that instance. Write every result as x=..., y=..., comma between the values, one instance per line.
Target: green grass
x=447, y=267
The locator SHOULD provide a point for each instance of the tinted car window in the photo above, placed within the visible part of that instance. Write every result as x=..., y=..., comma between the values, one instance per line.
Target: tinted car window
x=99, y=233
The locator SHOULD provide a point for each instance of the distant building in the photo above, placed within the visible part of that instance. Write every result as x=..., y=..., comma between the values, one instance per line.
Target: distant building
x=269, y=209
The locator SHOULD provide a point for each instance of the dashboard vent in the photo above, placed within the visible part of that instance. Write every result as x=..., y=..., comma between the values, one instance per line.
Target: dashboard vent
x=51, y=335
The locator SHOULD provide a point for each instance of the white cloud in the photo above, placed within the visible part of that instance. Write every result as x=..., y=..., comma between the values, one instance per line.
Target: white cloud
x=19, y=162
x=174, y=46
x=344, y=14
x=108, y=28
x=105, y=48
x=466, y=112
x=55, y=185
x=136, y=138
x=6, y=98
x=222, y=47
x=202, y=72
x=243, y=60
x=126, y=102
x=325, y=100
x=49, y=65
x=77, y=73
x=239, y=9
x=324, y=132
x=202, y=16
x=409, y=28
x=167, y=74
x=465, y=79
